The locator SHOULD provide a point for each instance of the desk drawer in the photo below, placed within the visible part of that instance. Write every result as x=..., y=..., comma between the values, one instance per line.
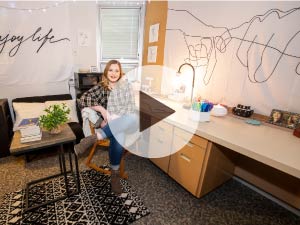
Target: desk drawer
x=161, y=133
x=186, y=165
x=199, y=141
x=161, y=140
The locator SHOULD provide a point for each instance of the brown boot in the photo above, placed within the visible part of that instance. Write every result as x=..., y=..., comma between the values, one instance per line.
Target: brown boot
x=84, y=144
x=115, y=182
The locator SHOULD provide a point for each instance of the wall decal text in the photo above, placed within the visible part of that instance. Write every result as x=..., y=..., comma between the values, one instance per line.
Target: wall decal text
x=37, y=36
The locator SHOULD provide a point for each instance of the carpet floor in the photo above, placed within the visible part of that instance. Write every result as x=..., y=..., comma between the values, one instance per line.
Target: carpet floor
x=95, y=203
x=169, y=203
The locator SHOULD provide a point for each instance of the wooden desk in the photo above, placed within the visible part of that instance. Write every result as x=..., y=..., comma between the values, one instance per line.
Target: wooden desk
x=265, y=156
x=274, y=147
x=50, y=140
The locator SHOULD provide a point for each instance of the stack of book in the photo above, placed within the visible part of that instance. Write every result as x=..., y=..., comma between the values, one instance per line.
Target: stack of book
x=30, y=130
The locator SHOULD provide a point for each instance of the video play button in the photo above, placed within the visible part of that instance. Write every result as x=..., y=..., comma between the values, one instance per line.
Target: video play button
x=160, y=126
x=151, y=107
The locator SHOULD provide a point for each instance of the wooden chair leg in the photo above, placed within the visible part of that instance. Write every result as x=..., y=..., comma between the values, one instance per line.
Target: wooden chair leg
x=91, y=154
x=92, y=165
x=123, y=173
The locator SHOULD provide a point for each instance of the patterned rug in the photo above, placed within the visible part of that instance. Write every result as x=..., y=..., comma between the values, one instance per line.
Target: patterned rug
x=94, y=205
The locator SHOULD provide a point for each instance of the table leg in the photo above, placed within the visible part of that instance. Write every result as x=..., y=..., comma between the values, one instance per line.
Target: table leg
x=27, y=208
x=62, y=163
x=26, y=158
x=71, y=164
x=77, y=171
x=26, y=197
x=64, y=168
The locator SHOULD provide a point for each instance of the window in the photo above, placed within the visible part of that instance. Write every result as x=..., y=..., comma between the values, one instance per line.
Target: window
x=121, y=34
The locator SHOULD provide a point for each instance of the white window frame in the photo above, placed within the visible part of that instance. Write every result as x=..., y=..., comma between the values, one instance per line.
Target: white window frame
x=127, y=64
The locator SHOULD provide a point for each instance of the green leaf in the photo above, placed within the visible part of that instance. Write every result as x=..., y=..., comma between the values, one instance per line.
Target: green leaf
x=55, y=115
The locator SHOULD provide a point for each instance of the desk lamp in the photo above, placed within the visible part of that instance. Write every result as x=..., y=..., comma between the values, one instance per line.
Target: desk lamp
x=188, y=105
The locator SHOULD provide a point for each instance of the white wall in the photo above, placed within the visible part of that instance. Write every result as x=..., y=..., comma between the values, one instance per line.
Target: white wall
x=84, y=17
x=47, y=72
x=249, y=51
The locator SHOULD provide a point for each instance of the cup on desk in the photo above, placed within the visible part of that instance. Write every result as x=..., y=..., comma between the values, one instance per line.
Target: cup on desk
x=198, y=116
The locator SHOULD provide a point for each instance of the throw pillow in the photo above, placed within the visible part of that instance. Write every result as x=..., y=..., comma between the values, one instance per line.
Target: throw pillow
x=71, y=104
x=25, y=110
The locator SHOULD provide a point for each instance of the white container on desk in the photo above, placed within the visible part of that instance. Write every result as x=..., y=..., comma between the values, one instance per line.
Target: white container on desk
x=199, y=116
x=218, y=110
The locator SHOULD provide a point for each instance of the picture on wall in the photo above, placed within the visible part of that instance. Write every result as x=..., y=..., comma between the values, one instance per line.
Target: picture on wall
x=152, y=54
x=153, y=33
x=284, y=118
x=83, y=38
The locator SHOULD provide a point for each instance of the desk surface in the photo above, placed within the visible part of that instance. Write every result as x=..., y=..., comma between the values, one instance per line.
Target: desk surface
x=48, y=139
x=272, y=146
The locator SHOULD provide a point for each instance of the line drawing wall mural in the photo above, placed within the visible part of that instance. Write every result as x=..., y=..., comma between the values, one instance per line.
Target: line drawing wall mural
x=204, y=53
x=256, y=50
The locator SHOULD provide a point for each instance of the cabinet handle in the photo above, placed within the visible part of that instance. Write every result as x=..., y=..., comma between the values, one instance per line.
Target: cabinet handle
x=190, y=144
x=186, y=158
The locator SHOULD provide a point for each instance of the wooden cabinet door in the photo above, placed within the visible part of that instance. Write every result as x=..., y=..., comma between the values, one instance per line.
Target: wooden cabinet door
x=162, y=139
x=162, y=163
x=186, y=164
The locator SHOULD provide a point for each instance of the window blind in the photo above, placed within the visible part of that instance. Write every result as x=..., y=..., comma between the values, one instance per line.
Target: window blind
x=119, y=29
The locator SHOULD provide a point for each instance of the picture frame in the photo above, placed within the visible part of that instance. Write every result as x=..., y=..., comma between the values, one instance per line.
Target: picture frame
x=284, y=118
x=152, y=54
x=83, y=38
x=93, y=69
x=153, y=33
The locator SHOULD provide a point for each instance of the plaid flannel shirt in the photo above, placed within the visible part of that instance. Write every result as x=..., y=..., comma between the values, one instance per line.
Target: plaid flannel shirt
x=121, y=99
x=95, y=96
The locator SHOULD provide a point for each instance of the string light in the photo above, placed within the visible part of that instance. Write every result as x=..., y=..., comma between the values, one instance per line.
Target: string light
x=12, y=6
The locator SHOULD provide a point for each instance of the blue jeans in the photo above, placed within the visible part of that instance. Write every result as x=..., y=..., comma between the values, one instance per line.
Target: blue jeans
x=116, y=130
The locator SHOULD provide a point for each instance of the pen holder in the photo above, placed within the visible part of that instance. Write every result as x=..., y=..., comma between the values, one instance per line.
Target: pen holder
x=199, y=116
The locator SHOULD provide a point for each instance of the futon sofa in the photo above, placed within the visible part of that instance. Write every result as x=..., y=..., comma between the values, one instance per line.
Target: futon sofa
x=75, y=126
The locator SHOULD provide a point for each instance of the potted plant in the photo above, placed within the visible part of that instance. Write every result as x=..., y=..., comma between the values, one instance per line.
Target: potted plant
x=56, y=116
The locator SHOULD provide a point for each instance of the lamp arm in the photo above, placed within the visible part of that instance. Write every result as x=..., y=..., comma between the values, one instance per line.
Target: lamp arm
x=188, y=64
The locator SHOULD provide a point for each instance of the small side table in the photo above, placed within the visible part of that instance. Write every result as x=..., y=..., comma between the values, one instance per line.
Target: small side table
x=48, y=140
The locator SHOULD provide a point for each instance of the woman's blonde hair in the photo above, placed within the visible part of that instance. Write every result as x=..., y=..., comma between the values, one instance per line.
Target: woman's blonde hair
x=105, y=82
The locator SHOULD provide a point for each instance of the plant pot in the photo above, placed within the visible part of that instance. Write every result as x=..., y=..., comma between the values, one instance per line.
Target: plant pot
x=56, y=130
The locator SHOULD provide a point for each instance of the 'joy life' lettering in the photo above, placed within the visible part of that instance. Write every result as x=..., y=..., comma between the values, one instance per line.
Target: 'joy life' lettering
x=35, y=37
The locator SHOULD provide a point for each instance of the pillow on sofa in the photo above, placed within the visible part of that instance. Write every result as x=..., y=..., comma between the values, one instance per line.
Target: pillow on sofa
x=25, y=110
x=71, y=104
